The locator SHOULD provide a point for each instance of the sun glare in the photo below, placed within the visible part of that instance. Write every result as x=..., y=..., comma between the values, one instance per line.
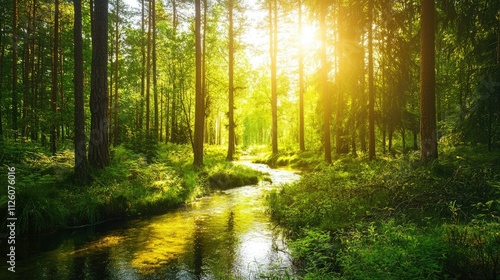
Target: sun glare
x=308, y=38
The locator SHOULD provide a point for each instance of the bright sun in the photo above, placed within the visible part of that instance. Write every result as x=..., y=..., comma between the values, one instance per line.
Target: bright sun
x=308, y=38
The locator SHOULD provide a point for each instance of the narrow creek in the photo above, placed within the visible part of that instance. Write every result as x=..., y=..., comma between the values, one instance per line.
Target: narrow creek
x=227, y=235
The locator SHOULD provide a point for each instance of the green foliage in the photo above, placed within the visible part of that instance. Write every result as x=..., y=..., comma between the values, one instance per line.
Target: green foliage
x=137, y=182
x=391, y=251
x=316, y=252
x=303, y=160
x=474, y=250
x=395, y=219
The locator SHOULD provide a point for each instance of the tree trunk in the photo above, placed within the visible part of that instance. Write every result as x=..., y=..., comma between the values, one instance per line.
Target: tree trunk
x=81, y=164
x=155, y=82
x=199, y=120
x=301, y=84
x=428, y=135
x=273, y=33
x=14, y=67
x=55, y=61
x=117, y=56
x=230, y=149
x=371, y=86
x=143, y=64
x=148, y=74
x=173, y=120
x=98, y=146
x=325, y=95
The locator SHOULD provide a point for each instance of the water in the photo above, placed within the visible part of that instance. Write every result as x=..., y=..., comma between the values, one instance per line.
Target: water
x=226, y=235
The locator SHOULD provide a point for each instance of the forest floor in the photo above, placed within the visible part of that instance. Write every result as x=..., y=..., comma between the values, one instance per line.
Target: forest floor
x=393, y=218
x=137, y=183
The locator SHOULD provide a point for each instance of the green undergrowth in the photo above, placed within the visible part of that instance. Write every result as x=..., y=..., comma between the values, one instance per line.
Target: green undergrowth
x=302, y=160
x=394, y=219
x=134, y=184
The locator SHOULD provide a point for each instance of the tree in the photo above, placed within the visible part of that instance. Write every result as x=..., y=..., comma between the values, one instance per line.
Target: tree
x=301, y=84
x=325, y=94
x=81, y=164
x=99, y=145
x=371, y=86
x=273, y=50
x=14, y=66
x=199, y=121
x=428, y=135
x=230, y=149
x=148, y=72
x=117, y=55
x=156, y=128
x=55, y=61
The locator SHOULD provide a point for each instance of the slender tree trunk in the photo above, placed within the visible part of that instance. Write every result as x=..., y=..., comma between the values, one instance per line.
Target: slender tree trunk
x=371, y=86
x=428, y=135
x=62, y=105
x=155, y=81
x=273, y=28
x=14, y=67
x=55, y=61
x=161, y=115
x=230, y=149
x=25, y=80
x=199, y=121
x=173, y=120
x=148, y=73
x=99, y=146
x=143, y=63
x=167, y=115
x=301, y=84
x=204, y=87
x=117, y=56
x=81, y=164
x=325, y=95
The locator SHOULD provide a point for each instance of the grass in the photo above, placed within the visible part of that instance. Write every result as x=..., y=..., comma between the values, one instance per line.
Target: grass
x=395, y=219
x=136, y=183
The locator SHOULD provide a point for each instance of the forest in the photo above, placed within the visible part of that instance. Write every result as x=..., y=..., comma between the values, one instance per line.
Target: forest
x=115, y=112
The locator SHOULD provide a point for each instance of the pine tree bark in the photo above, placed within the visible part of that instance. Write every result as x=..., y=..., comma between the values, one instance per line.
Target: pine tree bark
x=99, y=146
x=81, y=164
x=428, y=135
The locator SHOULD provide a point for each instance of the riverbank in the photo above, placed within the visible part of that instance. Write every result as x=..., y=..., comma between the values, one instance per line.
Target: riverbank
x=394, y=219
x=134, y=185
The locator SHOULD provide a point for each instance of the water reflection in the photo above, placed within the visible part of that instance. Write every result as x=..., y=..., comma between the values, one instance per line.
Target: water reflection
x=224, y=236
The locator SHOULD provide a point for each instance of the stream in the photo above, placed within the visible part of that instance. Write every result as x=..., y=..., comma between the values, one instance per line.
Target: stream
x=227, y=235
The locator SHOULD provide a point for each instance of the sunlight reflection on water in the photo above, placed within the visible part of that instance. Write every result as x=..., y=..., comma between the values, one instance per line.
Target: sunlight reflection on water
x=222, y=236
